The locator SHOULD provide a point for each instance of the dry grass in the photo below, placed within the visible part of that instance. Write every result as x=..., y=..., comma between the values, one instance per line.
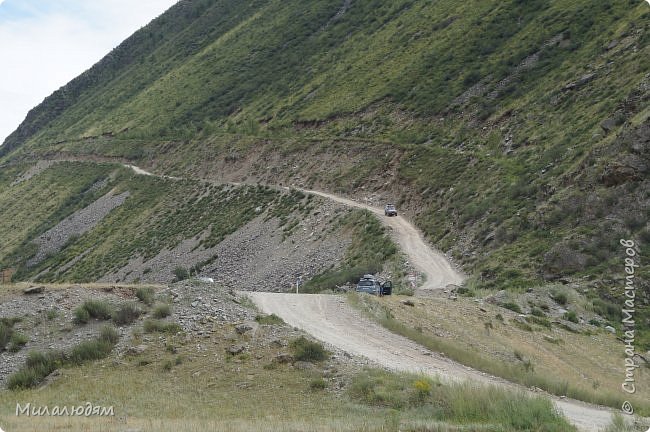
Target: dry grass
x=589, y=366
x=212, y=390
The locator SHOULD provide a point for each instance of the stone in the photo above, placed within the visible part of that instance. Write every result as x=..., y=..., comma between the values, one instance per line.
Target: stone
x=278, y=343
x=283, y=358
x=243, y=328
x=303, y=365
x=610, y=329
x=137, y=350
x=236, y=349
x=608, y=124
x=34, y=290
x=561, y=260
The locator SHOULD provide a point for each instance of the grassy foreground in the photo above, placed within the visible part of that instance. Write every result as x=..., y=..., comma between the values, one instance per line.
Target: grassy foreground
x=184, y=384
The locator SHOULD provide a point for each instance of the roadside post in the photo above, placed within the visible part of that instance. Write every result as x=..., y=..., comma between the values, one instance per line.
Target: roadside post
x=298, y=283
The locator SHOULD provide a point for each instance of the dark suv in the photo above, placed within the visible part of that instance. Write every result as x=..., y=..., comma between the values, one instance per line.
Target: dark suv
x=370, y=285
x=390, y=210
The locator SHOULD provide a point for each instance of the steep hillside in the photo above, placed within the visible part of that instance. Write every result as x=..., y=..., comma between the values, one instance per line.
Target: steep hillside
x=515, y=133
x=80, y=222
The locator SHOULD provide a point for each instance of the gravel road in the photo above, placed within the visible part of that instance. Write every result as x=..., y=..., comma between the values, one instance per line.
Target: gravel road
x=437, y=268
x=330, y=319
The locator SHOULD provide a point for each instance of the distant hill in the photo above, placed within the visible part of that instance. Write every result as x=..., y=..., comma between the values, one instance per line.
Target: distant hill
x=515, y=133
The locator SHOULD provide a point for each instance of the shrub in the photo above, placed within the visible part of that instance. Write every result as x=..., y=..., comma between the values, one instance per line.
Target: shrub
x=539, y=320
x=571, y=316
x=385, y=389
x=109, y=334
x=5, y=334
x=52, y=314
x=422, y=389
x=181, y=273
x=168, y=365
x=81, y=315
x=38, y=365
x=25, y=378
x=272, y=319
x=127, y=313
x=90, y=350
x=561, y=298
x=522, y=325
x=153, y=325
x=98, y=309
x=306, y=350
x=145, y=295
x=537, y=312
x=512, y=306
x=318, y=384
x=17, y=341
x=162, y=310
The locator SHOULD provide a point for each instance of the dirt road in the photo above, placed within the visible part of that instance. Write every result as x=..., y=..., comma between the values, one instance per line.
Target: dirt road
x=437, y=268
x=331, y=320
x=438, y=271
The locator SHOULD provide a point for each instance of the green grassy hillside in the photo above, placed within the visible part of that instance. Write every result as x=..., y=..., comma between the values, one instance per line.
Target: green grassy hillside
x=158, y=214
x=515, y=133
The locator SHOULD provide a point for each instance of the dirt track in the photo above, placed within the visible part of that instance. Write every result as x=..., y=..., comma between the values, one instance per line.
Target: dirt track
x=439, y=272
x=331, y=320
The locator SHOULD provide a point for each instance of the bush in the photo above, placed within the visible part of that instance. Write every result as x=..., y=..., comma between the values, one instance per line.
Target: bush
x=37, y=366
x=306, y=350
x=109, y=334
x=512, y=306
x=571, y=316
x=272, y=319
x=318, y=384
x=153, y=325
x=145, y=295
x=81, y=315
x=97, y=309
x=377, y=387
x=162, y=310
x=5, y=334
x=90, y=350
x=181, y=273
x=561, y=298
x=126, y=314
x=17, y=341
x=537, y=312
x=539, y=320
x=25, y=378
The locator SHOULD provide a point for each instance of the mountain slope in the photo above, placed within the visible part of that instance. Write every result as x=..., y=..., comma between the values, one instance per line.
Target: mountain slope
x=514, y=133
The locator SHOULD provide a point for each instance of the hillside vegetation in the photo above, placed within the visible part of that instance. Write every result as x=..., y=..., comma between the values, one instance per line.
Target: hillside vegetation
x=515, y=133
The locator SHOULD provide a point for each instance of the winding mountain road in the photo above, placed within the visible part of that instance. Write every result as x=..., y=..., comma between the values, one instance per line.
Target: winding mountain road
x=437, y=268
x=330, y=319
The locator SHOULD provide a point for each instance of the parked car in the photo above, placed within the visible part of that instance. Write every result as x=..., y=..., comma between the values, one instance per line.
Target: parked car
x=370, y=285
x=390, y=210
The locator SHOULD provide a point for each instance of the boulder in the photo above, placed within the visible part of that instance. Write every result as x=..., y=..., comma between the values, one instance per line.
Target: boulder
x=561, y=260
x=34, y=290
x=629, y=168
x=283, y=358
x=243, y=328
x=137, y=350
x=236, y=349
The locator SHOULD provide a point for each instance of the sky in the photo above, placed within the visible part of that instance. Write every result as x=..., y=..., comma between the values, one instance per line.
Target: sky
x=44, y=44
